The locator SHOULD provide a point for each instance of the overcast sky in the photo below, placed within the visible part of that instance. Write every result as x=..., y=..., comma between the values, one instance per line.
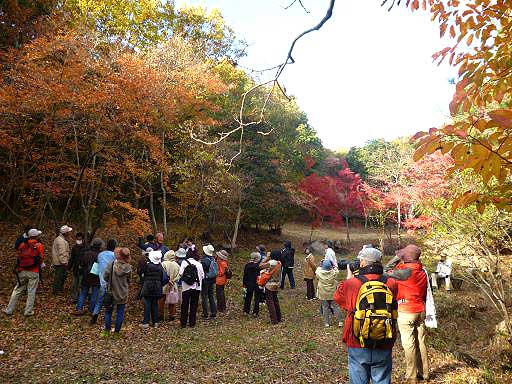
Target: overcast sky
x=366, y=74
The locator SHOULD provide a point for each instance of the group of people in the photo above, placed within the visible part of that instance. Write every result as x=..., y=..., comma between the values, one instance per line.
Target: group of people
x=377, y=299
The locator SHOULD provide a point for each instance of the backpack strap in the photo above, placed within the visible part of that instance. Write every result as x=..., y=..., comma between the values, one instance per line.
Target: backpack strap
x=383, y=279
x=362, y=278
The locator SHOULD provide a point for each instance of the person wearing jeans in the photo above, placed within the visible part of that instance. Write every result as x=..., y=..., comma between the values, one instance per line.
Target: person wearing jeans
x=364, y=364
x=105, y=258
x=190, y=292
x=90, y=281
x=118, y=277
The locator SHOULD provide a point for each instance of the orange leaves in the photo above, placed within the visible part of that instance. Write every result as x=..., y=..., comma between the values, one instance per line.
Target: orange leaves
x=502, y=117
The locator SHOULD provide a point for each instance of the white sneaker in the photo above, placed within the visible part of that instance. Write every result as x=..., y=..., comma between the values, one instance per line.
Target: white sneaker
x=144, y=326
x=340, y=324
x=327, y=325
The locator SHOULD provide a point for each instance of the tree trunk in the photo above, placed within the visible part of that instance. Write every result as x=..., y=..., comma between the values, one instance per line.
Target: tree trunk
x=237, y=224
x=399, y=220
x=152, y=207
x=348, y=229
x=164, y=191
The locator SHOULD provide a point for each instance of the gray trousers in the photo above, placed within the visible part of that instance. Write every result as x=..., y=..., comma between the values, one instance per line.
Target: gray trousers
x=330, y=307
x=27, y=281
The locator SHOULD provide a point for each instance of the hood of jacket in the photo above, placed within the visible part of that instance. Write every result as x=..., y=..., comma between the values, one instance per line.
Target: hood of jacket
x=122, y=268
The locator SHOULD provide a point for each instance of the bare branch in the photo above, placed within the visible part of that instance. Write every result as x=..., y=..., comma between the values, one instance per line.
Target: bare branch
x=280, y=68
x=300, y=2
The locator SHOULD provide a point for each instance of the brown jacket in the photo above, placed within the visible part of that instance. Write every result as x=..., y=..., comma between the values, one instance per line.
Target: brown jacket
x=120, y=280
x=309, y=267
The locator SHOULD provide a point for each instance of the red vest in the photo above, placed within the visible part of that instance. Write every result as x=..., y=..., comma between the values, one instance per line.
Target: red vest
x=412, y=293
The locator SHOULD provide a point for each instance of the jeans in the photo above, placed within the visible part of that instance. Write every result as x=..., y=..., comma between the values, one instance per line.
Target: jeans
x=150, y=310
x=248, y=298
x=83, y=295
x=221, y=298
x=285, y=271
x=119, y=317
x=207, y=297
x=274, y=309
x=29, y=281
x=190, y=301
x=310, y=289
x=99, y=301
x=329, y=307
x=412, y=334
x=365, y=363
x=75, y=285
x=59, y=278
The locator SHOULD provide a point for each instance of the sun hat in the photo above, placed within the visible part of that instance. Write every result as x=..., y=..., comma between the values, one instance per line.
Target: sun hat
x=33, y=232
x=169, y=255
x=181, y=253
x=97, y=243
x=208, y=250
x=65, y=229
x=155, y=257
x=222, y=254
x=371, y=255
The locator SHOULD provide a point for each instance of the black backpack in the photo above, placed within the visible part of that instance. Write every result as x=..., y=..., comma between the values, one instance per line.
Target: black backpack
x=190, y=275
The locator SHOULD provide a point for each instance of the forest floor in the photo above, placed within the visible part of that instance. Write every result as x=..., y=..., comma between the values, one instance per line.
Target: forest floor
x=56, y=347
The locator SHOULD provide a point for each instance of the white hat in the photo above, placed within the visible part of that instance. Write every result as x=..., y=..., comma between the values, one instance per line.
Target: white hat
x=371, y=255
x=155, y=257
x=181, y=253
x=33, y=232
x=208, y=250
x=65, y=229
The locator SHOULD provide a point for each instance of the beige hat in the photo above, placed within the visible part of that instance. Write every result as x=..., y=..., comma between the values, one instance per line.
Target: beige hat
x=65, y=229
x=208, y=250
x=222, y=254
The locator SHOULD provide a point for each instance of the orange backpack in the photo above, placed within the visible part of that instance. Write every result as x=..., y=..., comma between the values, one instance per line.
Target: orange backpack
x=265, y=276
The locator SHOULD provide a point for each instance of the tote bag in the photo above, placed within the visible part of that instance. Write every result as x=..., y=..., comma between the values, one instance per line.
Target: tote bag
x=172, y=296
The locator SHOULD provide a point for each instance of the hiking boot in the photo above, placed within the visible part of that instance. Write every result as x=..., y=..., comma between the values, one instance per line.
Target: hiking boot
x=144, y=326
x=155, y=325
x=29, y=314
x=79, y=312
x=94, y=319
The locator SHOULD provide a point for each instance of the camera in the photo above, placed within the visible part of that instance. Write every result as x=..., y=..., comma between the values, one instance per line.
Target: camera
x=354, y=265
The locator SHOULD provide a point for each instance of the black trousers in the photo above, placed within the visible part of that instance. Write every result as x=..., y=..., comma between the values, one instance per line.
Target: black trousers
x=189, y=303
x=310, y=289
x=221, y=298
x=207, y=298
x=248, y=298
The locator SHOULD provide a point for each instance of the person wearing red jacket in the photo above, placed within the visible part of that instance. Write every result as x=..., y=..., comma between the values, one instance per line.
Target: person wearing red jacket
x=30, y=258
x=412, y=283
x=364, y=363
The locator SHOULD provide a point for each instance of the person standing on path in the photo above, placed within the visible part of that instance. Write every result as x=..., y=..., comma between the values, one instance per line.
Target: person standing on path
x=251, y=288
x=172, y=269
x=192, y=275
x=118, y=277
x=288, y=261
x=364, y=363
x=309, y=274
x=28, y=265
x=152, y=277
x=273, y=267
x=77, y=252
x=211, y=270
x=105, y=258
x=90, y=279
x=222, y=279
x=412, y=294
x=60, y=258
x=327, y=284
